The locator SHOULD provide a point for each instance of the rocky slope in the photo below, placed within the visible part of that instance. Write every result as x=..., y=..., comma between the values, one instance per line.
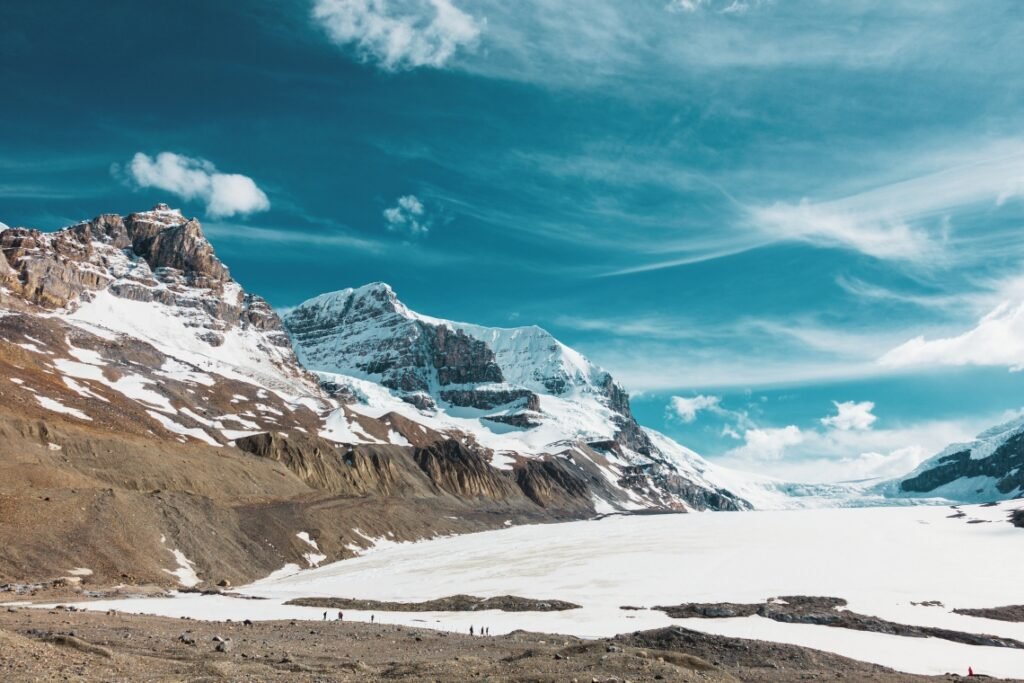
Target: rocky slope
x=989, y=468
x=157, y=426
x=518, y=393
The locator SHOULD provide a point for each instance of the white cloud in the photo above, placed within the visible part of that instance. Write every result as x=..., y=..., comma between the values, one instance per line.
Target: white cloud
x=4, y=226
x=851, y=415
x=721, y=6
x=888, y=238
x=831, y=455
x=685, y=5
x=768, y=443
x=399, y=34
x=225, y=194
x=407, y=216
x=686, y=409
x=997, y=339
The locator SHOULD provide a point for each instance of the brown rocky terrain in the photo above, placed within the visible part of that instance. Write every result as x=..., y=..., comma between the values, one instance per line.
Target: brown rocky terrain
x=58, y=645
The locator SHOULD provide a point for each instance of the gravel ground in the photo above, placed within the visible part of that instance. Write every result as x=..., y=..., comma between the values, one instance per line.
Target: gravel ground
x=63, y=645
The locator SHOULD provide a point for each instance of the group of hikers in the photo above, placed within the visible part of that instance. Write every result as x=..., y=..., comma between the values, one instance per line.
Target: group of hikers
x=341, y=616
x=484, y=630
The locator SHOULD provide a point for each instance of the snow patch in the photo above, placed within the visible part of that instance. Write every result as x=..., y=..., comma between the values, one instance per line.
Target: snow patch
x=58, y=407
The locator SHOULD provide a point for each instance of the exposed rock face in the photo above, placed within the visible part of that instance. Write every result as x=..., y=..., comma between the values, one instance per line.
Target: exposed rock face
x=489, y=399
x=375, y=337
x=1005, y=465
x=550, y=482
x=990, y=468
x=462, y=472
x=323, y=465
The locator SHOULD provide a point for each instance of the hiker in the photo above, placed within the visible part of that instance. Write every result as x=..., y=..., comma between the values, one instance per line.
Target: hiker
x=325, y=616
x=970, y=672
x=341, y=616
x=470, y=630
x=371, y=618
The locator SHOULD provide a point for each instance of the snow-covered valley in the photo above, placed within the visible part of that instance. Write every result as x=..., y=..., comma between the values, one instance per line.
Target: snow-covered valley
x=881, y=560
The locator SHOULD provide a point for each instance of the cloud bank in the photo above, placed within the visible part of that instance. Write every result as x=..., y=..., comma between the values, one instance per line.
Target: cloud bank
x=196, y=179
x=997, y=339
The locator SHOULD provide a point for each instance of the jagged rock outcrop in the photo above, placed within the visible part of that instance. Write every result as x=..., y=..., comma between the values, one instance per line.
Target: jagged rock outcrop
x=150, y=256
x=324, y=466
x=549, y=482
x=489, y=399
x=462, y=472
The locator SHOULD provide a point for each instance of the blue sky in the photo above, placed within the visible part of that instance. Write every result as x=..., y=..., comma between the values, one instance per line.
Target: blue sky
x=790, y=228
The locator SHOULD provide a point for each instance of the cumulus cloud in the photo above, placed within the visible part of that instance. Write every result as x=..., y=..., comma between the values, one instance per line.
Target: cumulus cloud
x=769, y=443
x=195, y=179
x=686, y=409
x=399, y=34
x=851, y=415
x=997, y=339
x=408, y=217
x=846, y=446
x=830, y=454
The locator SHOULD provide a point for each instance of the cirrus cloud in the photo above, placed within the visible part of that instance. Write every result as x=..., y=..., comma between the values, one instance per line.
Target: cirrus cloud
x=196, y=179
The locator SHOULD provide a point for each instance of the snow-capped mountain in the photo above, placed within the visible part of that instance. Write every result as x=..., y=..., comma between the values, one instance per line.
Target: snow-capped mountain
x=139, y=317
x=516, y=392
x=989, y=468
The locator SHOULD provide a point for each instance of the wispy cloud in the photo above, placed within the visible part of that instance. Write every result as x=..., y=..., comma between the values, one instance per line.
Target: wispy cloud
x=906, y=220
x=573, y=43
x=224, y=194
x=298, y=237
x=399, y=34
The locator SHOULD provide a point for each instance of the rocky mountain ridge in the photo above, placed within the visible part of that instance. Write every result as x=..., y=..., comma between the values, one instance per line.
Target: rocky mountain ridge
x=987, y=469
x=158, y=426
x=517, y=392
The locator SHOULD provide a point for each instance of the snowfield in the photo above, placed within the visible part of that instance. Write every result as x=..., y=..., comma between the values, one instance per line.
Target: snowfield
x=879, y=559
